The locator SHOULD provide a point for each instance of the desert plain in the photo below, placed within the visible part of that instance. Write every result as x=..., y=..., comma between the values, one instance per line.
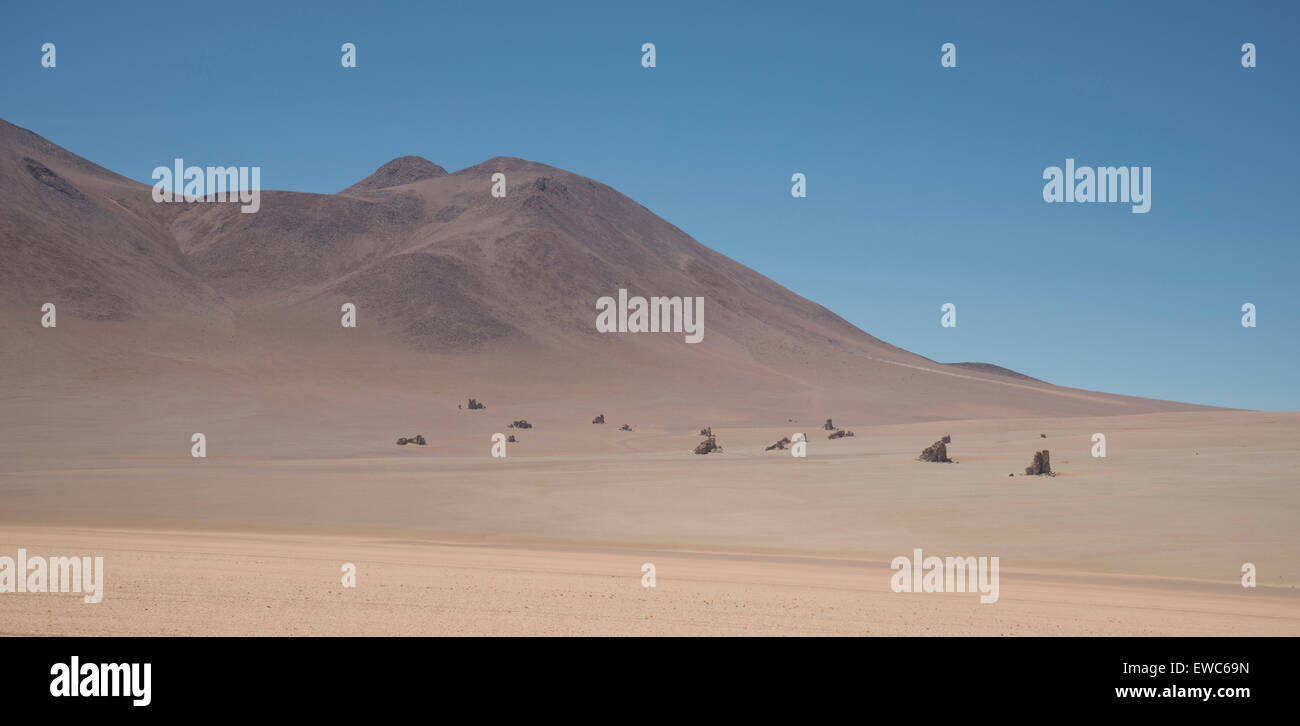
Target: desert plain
x=1147, y=541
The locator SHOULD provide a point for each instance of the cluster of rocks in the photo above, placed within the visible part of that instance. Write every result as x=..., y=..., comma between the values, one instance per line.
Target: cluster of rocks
x=511, y=439
x=520, y=424
x=938, y=451
x=599, y=419
x=780, y=445
x=708, y=445
x=624, y=427
x=418, y=440
x=836, y=433
x=474, y=405
x=1042, y=464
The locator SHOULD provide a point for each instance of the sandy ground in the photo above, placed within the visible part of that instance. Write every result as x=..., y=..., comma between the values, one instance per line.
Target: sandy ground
x=1149, y=540
x=231, y=584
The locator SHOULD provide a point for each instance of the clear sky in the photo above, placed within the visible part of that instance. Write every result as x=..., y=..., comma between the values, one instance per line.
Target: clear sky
x=924, y=183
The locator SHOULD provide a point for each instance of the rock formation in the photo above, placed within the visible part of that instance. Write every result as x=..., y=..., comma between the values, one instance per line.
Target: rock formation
x=510, y=439
x=1042, y=464
x=708, y=445
x=780, y=445
x=840, y=434
x=474, y=405
x=828, y=425
x=938, y=451
x=599, y=419
x=520, y=424
x=418, y=440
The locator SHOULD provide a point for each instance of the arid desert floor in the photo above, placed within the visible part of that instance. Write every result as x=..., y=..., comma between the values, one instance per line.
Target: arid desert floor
x=1147, y=541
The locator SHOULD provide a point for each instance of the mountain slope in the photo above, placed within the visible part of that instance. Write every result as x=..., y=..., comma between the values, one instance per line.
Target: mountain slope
x=75, y=233
x=445, y=275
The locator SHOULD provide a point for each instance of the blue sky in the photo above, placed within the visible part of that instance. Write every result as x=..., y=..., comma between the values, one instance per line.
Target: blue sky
x=924, y=183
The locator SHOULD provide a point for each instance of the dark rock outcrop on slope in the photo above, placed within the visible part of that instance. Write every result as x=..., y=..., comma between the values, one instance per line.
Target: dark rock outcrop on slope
x=42, y=174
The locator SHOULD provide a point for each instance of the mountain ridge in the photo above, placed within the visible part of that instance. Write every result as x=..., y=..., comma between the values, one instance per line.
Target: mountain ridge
x=439, y=266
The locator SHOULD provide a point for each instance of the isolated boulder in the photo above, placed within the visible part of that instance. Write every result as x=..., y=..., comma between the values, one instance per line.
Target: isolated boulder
x=937, y=452
x=599, y=419
x=828, y=426
x=624, y=427
x=1042, y=464
x=708, y=445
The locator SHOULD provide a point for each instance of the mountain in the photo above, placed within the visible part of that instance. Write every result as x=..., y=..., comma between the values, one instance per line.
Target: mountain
x=76, y=233
x=456, y=291
x=399, y=171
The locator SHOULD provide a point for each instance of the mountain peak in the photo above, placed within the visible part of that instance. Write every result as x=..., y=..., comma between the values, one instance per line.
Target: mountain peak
x=399, y=171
